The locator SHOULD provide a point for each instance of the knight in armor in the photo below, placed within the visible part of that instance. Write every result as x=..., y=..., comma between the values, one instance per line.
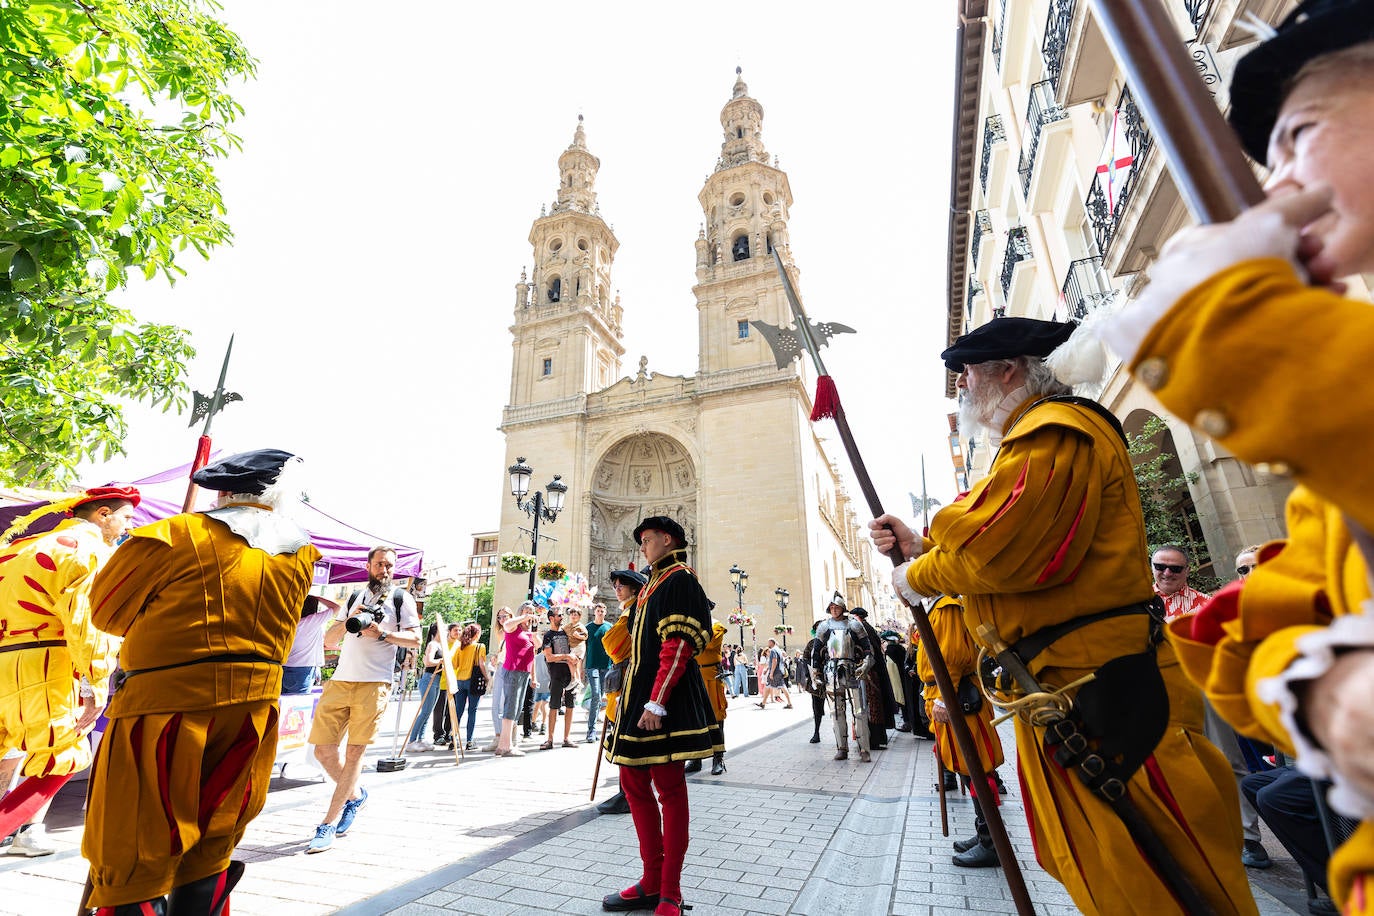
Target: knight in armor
x=847, y=658
x=878, y=692
x=207, y=604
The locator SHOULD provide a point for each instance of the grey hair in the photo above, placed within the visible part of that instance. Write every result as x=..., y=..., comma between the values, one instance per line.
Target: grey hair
x=1036, y=376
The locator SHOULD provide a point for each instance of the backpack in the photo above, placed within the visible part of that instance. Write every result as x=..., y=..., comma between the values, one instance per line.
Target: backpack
x=398, y=600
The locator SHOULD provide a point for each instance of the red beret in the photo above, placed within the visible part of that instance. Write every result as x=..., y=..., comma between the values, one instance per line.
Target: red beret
x=96, y=494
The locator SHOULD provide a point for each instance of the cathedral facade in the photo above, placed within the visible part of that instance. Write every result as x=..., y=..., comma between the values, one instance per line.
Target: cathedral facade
x=728, y=452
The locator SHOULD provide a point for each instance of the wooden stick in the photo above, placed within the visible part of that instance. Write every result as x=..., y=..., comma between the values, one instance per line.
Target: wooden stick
x=600, y=752
x=940, y=785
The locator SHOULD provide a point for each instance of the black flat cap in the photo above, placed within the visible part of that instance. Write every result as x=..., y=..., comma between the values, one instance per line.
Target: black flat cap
x=246, y=472
x=1006, y=338
x=859, y=612
x=631, y=577
x=661, y=523
x=1315, y=28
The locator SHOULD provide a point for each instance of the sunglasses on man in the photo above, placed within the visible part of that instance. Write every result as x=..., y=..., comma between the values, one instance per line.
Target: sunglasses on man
x=1176, y=570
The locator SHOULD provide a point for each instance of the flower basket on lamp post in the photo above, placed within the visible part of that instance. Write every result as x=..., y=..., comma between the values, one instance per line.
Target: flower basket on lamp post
x=552, y=571
x=517, y=562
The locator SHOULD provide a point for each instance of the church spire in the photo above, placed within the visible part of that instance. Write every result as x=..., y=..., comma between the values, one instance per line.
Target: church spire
x=577, y=169
x=742, y=118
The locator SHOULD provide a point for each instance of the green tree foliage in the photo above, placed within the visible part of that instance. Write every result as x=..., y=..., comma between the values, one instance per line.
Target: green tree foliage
x=448, y=600
x=1163, y=496
x=110, y=117
x=481, y=608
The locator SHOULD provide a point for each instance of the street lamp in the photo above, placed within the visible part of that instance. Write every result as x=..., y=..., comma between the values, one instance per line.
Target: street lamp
x=782, y=595
x=536, y=506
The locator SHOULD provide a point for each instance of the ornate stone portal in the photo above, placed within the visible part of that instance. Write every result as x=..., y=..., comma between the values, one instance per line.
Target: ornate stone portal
x=642, y=475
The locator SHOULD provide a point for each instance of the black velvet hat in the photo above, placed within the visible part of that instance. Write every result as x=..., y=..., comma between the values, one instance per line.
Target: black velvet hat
x=861, y=613
x=661, y=523
x=1006, y=338
x=246, y=472
x=631, y=577
x=1315, y=28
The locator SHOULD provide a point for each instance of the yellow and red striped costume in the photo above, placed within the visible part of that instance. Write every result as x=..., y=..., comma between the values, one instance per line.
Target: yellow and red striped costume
x=47, y=641
x=709, y=663
x=961, y=657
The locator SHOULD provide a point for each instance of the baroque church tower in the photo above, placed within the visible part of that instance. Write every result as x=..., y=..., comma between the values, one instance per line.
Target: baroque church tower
x=728, y=452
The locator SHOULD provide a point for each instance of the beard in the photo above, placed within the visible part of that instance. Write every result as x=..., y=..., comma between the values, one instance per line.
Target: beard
x=976, y=410
x=377, y=586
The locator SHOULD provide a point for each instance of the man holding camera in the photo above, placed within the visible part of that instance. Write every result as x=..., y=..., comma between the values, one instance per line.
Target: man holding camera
x=378, y=620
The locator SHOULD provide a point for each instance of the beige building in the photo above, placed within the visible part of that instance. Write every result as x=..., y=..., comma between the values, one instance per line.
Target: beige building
x=481, y=566
x=691, y=447
x=1061, y=202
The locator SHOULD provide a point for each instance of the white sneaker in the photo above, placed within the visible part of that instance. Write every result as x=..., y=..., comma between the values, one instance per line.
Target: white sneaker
x=490, y=748
x=31, y=842
x=419, y=747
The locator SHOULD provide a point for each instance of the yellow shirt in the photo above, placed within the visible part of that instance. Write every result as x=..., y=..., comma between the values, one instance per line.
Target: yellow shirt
x=463, y=658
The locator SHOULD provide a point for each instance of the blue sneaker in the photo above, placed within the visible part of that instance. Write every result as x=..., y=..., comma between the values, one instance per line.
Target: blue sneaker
x=350, y=811
x=324, y=838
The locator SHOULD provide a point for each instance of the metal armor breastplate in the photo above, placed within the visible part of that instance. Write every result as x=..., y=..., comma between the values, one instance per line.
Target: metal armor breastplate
x=839, y=642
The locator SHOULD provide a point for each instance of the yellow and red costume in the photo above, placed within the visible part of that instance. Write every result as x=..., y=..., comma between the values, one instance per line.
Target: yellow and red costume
x=961, y=657
x=47, y=643
x=1053, y=533
x=207, y=619
x=709, y=663
x=1249, y=634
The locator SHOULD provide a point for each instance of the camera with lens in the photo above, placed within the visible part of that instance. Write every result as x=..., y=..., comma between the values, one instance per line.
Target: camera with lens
x=360, y=621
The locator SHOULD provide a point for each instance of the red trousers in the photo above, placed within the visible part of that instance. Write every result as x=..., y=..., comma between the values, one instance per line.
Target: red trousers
x=660, y=824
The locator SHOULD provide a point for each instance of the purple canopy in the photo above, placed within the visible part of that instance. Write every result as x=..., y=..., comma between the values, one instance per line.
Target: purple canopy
x=344, y=557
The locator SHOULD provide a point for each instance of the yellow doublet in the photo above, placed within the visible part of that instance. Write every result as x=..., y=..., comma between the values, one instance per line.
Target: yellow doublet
x=709, y=662
x=44, y=590
x=616, y=642
x=961, y=657
x=1279, y=418
x=1055, y=532
x=188, y=756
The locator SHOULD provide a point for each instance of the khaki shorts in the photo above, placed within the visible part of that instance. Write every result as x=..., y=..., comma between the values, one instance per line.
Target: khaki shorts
x=349, y=707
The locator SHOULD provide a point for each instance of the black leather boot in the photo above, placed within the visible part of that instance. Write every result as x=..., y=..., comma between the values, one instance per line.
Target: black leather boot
x=693, y=766
x=717, y=763
x=616, y=804
x=979, y=856
x=206, y=897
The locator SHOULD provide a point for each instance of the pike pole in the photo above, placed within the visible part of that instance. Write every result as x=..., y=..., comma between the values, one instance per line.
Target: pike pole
x=827, y=404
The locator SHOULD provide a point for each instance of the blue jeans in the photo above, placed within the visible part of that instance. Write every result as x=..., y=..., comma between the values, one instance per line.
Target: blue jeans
x=297, y=679
x=427, y=701
x=463, y=697
x=741, y=680
x=496, y=689
x=514, y=699
x=596, y=684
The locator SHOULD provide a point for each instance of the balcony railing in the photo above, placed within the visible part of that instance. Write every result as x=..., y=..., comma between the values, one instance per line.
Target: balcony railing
x=1041, y=110
x=999, y=32
x=999, y=312
x=1086, y=287
x=975, y=289
x=1018, y=249
x=1056, y=38
x=982, y=225
x=1197, y=11
x=1116, y=178
x=993, y=132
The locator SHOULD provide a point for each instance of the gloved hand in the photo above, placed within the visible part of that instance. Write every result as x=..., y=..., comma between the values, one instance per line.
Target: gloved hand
x=899, y=582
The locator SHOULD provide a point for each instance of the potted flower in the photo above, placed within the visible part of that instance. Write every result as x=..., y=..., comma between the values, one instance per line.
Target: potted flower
x=741, y=620
x=552, y=571
x=517, y=562
x=782, y=628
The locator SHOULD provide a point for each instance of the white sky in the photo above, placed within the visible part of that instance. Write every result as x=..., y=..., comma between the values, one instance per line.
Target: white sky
x=395, y=156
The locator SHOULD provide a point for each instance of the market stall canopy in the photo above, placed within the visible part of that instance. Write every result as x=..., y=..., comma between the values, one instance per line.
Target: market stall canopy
x=343, y=547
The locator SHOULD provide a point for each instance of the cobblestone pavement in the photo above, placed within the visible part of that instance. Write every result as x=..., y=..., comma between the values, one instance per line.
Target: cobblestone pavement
x=785, y=830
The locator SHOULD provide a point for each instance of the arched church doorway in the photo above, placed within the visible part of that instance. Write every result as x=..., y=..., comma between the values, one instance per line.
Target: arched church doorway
x=641, y=475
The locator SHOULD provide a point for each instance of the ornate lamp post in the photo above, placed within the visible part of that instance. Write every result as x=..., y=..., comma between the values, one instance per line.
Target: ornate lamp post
x=782, y=596
x=536, y=506
x=740, y=580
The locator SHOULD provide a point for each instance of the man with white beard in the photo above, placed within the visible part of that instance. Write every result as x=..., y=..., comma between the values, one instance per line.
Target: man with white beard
x=1048, y=555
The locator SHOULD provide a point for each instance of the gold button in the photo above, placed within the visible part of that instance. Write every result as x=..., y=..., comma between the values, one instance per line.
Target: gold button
x=1276, y=468
x=1212, y=422
x=1153, y=372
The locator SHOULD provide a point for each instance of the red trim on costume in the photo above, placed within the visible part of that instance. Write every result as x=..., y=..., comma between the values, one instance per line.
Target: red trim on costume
x=672, y=661
x=1012, y=497
x=1068, y=781
x=222, y=777
x=37, y=586
x=35, y=609
x=1221, y=608
x=1057, y=561
x=1160, y=785
x=164, y=749
x=43, y=560
x=110, y=594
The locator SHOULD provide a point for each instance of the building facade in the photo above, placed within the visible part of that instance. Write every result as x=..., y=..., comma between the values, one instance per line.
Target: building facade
x=481, y=566
x=630, y=446
x=1061, y=202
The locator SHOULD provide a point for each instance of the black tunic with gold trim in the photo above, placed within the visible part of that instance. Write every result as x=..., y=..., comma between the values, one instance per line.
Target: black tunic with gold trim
x=671, y=606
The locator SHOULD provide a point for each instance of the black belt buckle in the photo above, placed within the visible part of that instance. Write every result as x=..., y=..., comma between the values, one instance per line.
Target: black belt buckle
x=1112, y=790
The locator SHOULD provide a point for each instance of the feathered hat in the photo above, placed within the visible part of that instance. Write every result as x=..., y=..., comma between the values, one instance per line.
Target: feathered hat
x=69, y=506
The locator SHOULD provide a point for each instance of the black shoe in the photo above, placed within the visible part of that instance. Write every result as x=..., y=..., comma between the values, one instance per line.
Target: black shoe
x=618, y=903
x=966, y=845
x=1322, y=906
x=816, y=738
x=951, y=784
x=155, y=907
x=717, y=764
x=1253, y=855
x=979, y=856
x=616, y=804
x=693, y=766
x=1001, y=786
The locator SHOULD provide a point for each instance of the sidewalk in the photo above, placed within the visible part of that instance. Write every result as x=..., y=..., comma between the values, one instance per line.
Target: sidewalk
x=785, y=830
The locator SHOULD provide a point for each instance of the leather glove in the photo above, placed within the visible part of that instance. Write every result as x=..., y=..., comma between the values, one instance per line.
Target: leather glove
x=903, y=587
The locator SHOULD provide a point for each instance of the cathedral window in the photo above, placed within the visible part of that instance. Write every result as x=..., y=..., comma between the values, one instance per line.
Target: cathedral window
x=556, y=289
x=548, y=366
x=742, y=329
x=740, y=249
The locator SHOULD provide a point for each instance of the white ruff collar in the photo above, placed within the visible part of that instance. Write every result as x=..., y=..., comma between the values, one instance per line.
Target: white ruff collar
x=998, y=424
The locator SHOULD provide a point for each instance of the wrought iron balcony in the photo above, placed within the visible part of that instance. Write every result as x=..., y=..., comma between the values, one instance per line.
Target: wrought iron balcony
x=982, y=224
x=1197, y=11
x=1042, y=109
x=1110, y=194
x=1086, y=287
x=1056, y=38
x=999, y=32
x=999, y=312
x=1018, y=249
x=993, y=133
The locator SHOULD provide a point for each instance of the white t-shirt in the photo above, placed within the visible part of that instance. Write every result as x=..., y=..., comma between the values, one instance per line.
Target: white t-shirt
x=307, y=651
x=366, y=659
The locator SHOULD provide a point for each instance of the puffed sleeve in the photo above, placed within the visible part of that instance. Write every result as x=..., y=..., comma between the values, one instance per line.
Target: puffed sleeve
x=127, y=582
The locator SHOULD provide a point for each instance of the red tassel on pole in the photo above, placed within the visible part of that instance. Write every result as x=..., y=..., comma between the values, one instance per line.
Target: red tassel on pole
x=827, y=400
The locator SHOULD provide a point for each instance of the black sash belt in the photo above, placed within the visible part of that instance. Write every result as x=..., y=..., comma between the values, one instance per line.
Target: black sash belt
x=1028, y=647
x=37, y=644
x=208, y=660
